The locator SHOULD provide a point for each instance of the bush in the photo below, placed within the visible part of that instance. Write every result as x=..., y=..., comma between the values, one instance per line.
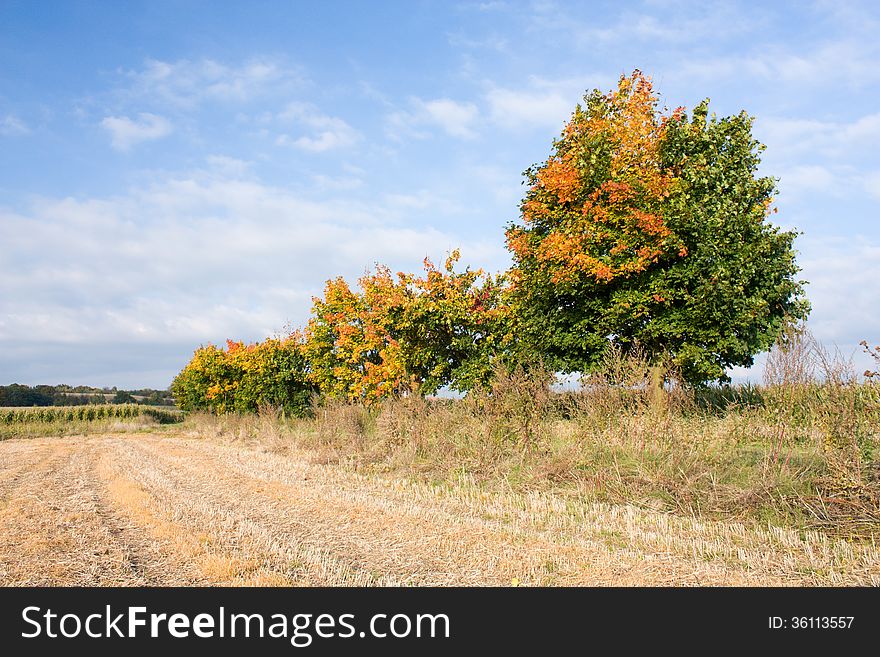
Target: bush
x=242, y=378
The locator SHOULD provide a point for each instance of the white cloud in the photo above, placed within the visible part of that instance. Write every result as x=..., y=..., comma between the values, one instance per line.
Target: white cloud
x=695, y=24
x=491, y=42
x=228, y=166
x=542, y=103
x=626, y=27
x=195, y=257
x=455, y=118
x=515, y=109
x=503, y=183
x=12, y=126
x=327, y=132
x=814, y=158
x=186, y=83
x=851, y=61
x=843, y=290
x=126, y=132
x=872, y=183
x=809, y=179
x=796, y=137
x=494, y=5
x=324, y=140
x=336, y=183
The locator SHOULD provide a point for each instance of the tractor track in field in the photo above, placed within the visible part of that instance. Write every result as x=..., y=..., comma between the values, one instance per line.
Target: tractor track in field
x=145, y=509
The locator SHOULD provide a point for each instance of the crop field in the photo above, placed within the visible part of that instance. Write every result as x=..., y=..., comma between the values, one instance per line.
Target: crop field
x=66, y=420
x=431, y=493
x=24, y=415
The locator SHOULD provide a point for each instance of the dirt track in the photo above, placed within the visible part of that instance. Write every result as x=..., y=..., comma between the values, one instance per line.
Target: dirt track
x=158, y=509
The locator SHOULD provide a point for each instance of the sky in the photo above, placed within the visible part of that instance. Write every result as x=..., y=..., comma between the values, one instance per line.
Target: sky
x=179, y=173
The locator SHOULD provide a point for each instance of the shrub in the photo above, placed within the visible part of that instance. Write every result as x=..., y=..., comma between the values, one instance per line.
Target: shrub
x=242, y=378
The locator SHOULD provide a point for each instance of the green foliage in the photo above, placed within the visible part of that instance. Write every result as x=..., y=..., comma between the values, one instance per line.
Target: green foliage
x=123, y=397
x=243, y=378
x=273, y=373
x=734, y=293
x=204, y=382
x=86, y=413
x=406, y=332
x=21, y=395
x=716, y=282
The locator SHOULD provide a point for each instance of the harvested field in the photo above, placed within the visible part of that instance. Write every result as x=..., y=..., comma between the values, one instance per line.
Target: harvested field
x=166, y=508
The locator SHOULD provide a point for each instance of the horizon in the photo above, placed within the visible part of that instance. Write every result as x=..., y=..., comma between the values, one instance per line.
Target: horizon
x=175, y=175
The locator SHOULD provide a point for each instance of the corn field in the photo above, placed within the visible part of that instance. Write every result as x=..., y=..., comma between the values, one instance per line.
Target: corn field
x=23, y=415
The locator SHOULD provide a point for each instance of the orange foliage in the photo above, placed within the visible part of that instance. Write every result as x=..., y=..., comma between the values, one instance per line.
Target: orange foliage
x=389, y=337
x=560, y=178
x=601, y=194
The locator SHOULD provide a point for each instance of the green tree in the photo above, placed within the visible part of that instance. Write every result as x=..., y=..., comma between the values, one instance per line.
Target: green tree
x=271, y=373
x=207, y=382
x=244, y=378
x=406, y=332
x=651, y=229
x=22, y=395
x=123, y=397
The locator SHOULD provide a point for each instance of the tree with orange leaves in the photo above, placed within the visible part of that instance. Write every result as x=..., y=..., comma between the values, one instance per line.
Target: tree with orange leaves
x=245, y=377
x=650, y=228
x=405, y=332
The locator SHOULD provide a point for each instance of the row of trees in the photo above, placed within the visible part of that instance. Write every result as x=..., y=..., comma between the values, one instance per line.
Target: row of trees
x=393, y=333
x=643, y=227
x=18, y=394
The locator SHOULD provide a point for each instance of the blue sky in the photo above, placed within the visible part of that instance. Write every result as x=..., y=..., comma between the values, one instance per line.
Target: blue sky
x=174, y=173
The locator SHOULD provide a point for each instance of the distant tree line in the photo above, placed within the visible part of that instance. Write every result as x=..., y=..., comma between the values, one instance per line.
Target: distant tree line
x=65, y=395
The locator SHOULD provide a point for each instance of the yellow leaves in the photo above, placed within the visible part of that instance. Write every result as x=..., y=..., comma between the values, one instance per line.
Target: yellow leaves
x=651, y=224
x=533, y=210
x=219, y=389
x=243, y=376
x=454, y=257
x=602, y=272
x=601, y=195
x=615, y=192
x=390, y=334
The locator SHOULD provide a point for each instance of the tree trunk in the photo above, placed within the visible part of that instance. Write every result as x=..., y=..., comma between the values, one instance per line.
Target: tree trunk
x=656, y=393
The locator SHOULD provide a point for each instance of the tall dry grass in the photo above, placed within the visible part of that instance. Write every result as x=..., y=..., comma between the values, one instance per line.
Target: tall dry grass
x=799, y=450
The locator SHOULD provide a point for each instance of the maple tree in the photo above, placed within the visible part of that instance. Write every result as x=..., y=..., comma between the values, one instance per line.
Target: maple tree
x=405, y=332
x=650, y=228
x=643, y=228
x=244, y=377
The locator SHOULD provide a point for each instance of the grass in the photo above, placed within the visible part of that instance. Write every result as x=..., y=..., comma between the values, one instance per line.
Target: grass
x=176, y=507
x=798, y=455
x=772, y=484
